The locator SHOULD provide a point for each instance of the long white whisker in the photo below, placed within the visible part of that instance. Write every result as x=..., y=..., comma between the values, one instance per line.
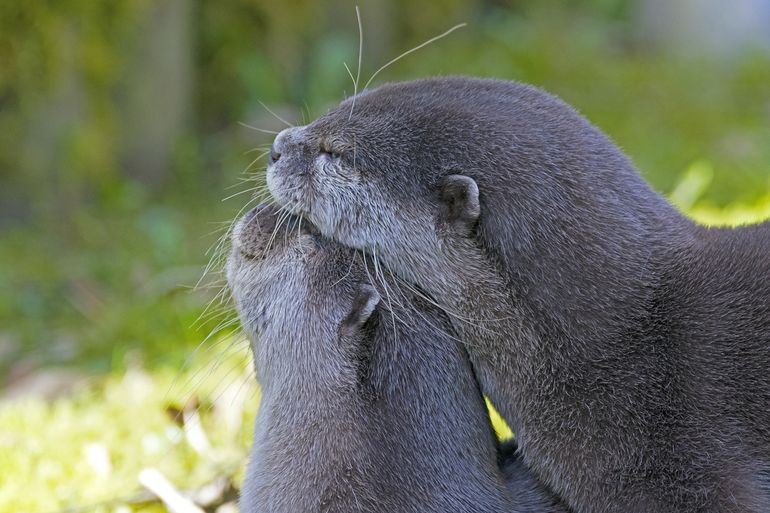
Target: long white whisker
x=393, y=315
x=279, y=118
x=252, y=189
x=426, y=43
x=273, y=132
x=358, y=70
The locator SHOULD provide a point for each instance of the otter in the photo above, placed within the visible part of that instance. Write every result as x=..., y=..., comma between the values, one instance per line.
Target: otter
x=368, y=404
x=626, y=346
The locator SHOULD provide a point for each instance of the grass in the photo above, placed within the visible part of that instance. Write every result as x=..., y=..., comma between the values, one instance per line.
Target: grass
x=60, y=446
x=52, y=454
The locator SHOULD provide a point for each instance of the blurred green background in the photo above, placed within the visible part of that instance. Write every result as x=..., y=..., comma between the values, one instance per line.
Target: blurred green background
x=123, y=128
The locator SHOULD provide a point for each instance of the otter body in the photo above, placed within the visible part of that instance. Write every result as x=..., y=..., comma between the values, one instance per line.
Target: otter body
x=368, y=405
x=627, y=347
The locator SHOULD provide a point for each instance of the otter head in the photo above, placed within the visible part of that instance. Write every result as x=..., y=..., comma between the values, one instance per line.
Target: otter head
x=390, y=172
x=440, y=177
x=301, y=298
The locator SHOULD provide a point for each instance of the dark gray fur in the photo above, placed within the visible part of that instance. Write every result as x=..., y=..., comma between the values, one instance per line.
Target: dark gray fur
x=627, y=347
x=368, y=404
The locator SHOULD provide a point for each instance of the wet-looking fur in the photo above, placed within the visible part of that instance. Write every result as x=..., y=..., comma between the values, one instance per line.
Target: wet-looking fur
x=627, y=347
x=369, y=403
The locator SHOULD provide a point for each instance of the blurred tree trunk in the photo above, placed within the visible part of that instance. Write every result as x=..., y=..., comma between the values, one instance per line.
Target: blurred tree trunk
x=44, y=181
x=157, y=93
x=712, y=26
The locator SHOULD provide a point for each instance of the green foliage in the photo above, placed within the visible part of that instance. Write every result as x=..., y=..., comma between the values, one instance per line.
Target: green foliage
x=101, y=286
x=61, y=63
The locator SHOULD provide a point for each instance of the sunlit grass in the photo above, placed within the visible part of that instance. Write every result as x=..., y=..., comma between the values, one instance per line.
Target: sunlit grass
x=52, y=454
x=50, y=446
x=695, y=183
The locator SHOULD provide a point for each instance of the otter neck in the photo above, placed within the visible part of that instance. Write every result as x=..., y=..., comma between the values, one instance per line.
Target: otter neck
x=510, y=331
x=305, y=366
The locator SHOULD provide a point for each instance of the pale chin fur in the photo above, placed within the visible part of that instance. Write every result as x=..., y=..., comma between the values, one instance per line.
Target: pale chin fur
x=275, y=188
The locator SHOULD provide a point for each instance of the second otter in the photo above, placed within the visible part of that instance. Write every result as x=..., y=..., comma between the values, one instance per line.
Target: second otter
x=368, y=404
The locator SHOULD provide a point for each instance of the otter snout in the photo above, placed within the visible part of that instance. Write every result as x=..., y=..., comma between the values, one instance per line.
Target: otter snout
x=253, y=232
x=266, y=226
x=296, y=157
x=283, y=141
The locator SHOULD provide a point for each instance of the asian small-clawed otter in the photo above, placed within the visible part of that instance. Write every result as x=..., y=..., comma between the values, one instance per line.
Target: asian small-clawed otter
x=627, y=347
x=367, y=405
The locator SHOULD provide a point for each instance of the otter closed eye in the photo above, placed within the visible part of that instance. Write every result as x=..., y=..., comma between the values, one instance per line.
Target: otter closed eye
x=332, y=154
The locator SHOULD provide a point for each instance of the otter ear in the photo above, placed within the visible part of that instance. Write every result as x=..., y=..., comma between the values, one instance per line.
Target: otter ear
x=364, y=304
x=460, y=198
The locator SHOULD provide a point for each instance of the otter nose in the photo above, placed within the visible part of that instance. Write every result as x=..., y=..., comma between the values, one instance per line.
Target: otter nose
x=284, y=141
x=274, y=154
x=279, y=145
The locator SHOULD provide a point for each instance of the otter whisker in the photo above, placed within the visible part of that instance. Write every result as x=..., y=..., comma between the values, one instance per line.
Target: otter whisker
x=284, y=214
x=200, y=377
x=299, y=232
x=245, y=191
x=225, y=236
x=192, y=420
x=356, y=80
x=249, y=378
x=381, y=277
x=426, y=43
x=217, y=284
x=350, y=74
x=279, y=118
x=214, y=308
x=260, y=190
x=407, y=306
x=260, y=147
x=236, y=366
x=219, y=245
x=412, y=309
x=260, y=156
x=264, y=131
x=222, y=226
x=350, y=267
x=222, y=297
x=263, y=193
x=304, y=111
x=221, y=313
x=224, y=324
x=444, y=308
x=188, y=361
x=240, y=180
x=393, y=315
